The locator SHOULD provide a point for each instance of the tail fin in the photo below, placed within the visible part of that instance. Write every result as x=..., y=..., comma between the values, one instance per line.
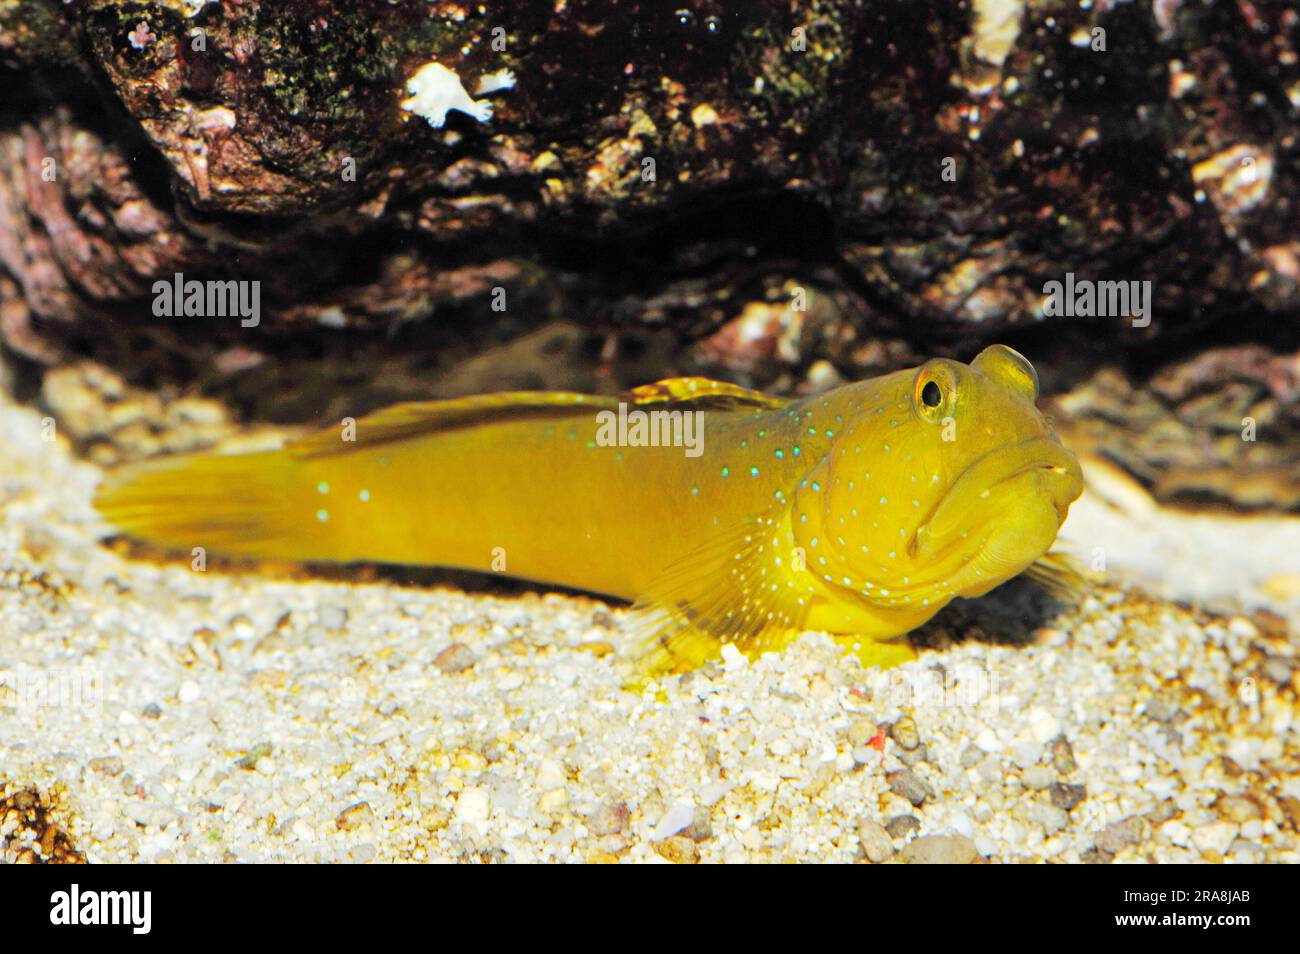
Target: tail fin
x=234, y=504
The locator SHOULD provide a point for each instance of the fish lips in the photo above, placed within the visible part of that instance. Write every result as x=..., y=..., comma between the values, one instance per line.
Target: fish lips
x=1060, y=483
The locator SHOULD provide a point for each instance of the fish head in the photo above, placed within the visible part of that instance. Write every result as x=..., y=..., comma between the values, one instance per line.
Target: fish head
x=948, y=482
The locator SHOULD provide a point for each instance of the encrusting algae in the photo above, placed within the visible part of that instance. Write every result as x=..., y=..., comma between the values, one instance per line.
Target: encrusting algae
x=732, y=517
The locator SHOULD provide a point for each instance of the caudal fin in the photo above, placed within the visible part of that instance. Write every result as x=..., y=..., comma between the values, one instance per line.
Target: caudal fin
x=234, y=504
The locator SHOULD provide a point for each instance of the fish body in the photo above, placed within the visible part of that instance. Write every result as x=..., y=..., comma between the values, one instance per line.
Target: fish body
x=860, y=512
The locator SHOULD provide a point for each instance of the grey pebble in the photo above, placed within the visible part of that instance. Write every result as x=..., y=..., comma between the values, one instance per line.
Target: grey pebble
x=906, y=784
x=971, y=757
x=914, y=756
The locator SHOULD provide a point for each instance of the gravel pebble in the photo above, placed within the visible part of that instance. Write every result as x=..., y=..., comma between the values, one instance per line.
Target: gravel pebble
x=679, y=850
x=900, y=826
x=355, y=816
x=1050, y=818
x=909, y=786
x=474, y=805
x=940, y=850
x=253, y=756
x=861, y=732
x=1121, y=834
x=1160, y=710
x=1063, y=756
x=701, y=827
x=108, y=765
x=1278, y=669
x=1067, y=797
x=674, y=820
x=332, y=618
x=1037, y=777
x=875, y=841
x=610, y=818
x=914, y=757
x=1214, y=838
x=1238, y=808
x=455, y=658
x=150, y=814
x=904, y=733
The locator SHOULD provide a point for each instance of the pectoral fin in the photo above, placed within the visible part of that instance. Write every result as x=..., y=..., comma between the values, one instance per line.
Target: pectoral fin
x=737, y=589
x=1059, y=574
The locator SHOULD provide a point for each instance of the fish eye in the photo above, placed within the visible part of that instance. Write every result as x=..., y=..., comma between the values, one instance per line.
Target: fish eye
x=934, y=390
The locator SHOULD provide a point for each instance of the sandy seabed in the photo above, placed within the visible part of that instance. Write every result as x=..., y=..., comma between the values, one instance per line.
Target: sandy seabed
x=151, y=713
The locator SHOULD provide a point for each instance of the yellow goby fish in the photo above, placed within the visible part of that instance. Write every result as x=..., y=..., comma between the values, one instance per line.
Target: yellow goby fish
x=728, y=515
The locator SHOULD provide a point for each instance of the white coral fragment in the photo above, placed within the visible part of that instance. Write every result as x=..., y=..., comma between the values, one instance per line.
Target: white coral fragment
x=436, y=91
x=495, y=82
x=997, y=26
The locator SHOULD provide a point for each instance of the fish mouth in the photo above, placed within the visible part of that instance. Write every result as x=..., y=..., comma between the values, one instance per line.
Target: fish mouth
x=1060, y=481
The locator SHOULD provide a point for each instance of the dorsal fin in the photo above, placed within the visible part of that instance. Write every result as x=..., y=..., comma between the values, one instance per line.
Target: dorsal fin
x=703, y=392
x=421, y=418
